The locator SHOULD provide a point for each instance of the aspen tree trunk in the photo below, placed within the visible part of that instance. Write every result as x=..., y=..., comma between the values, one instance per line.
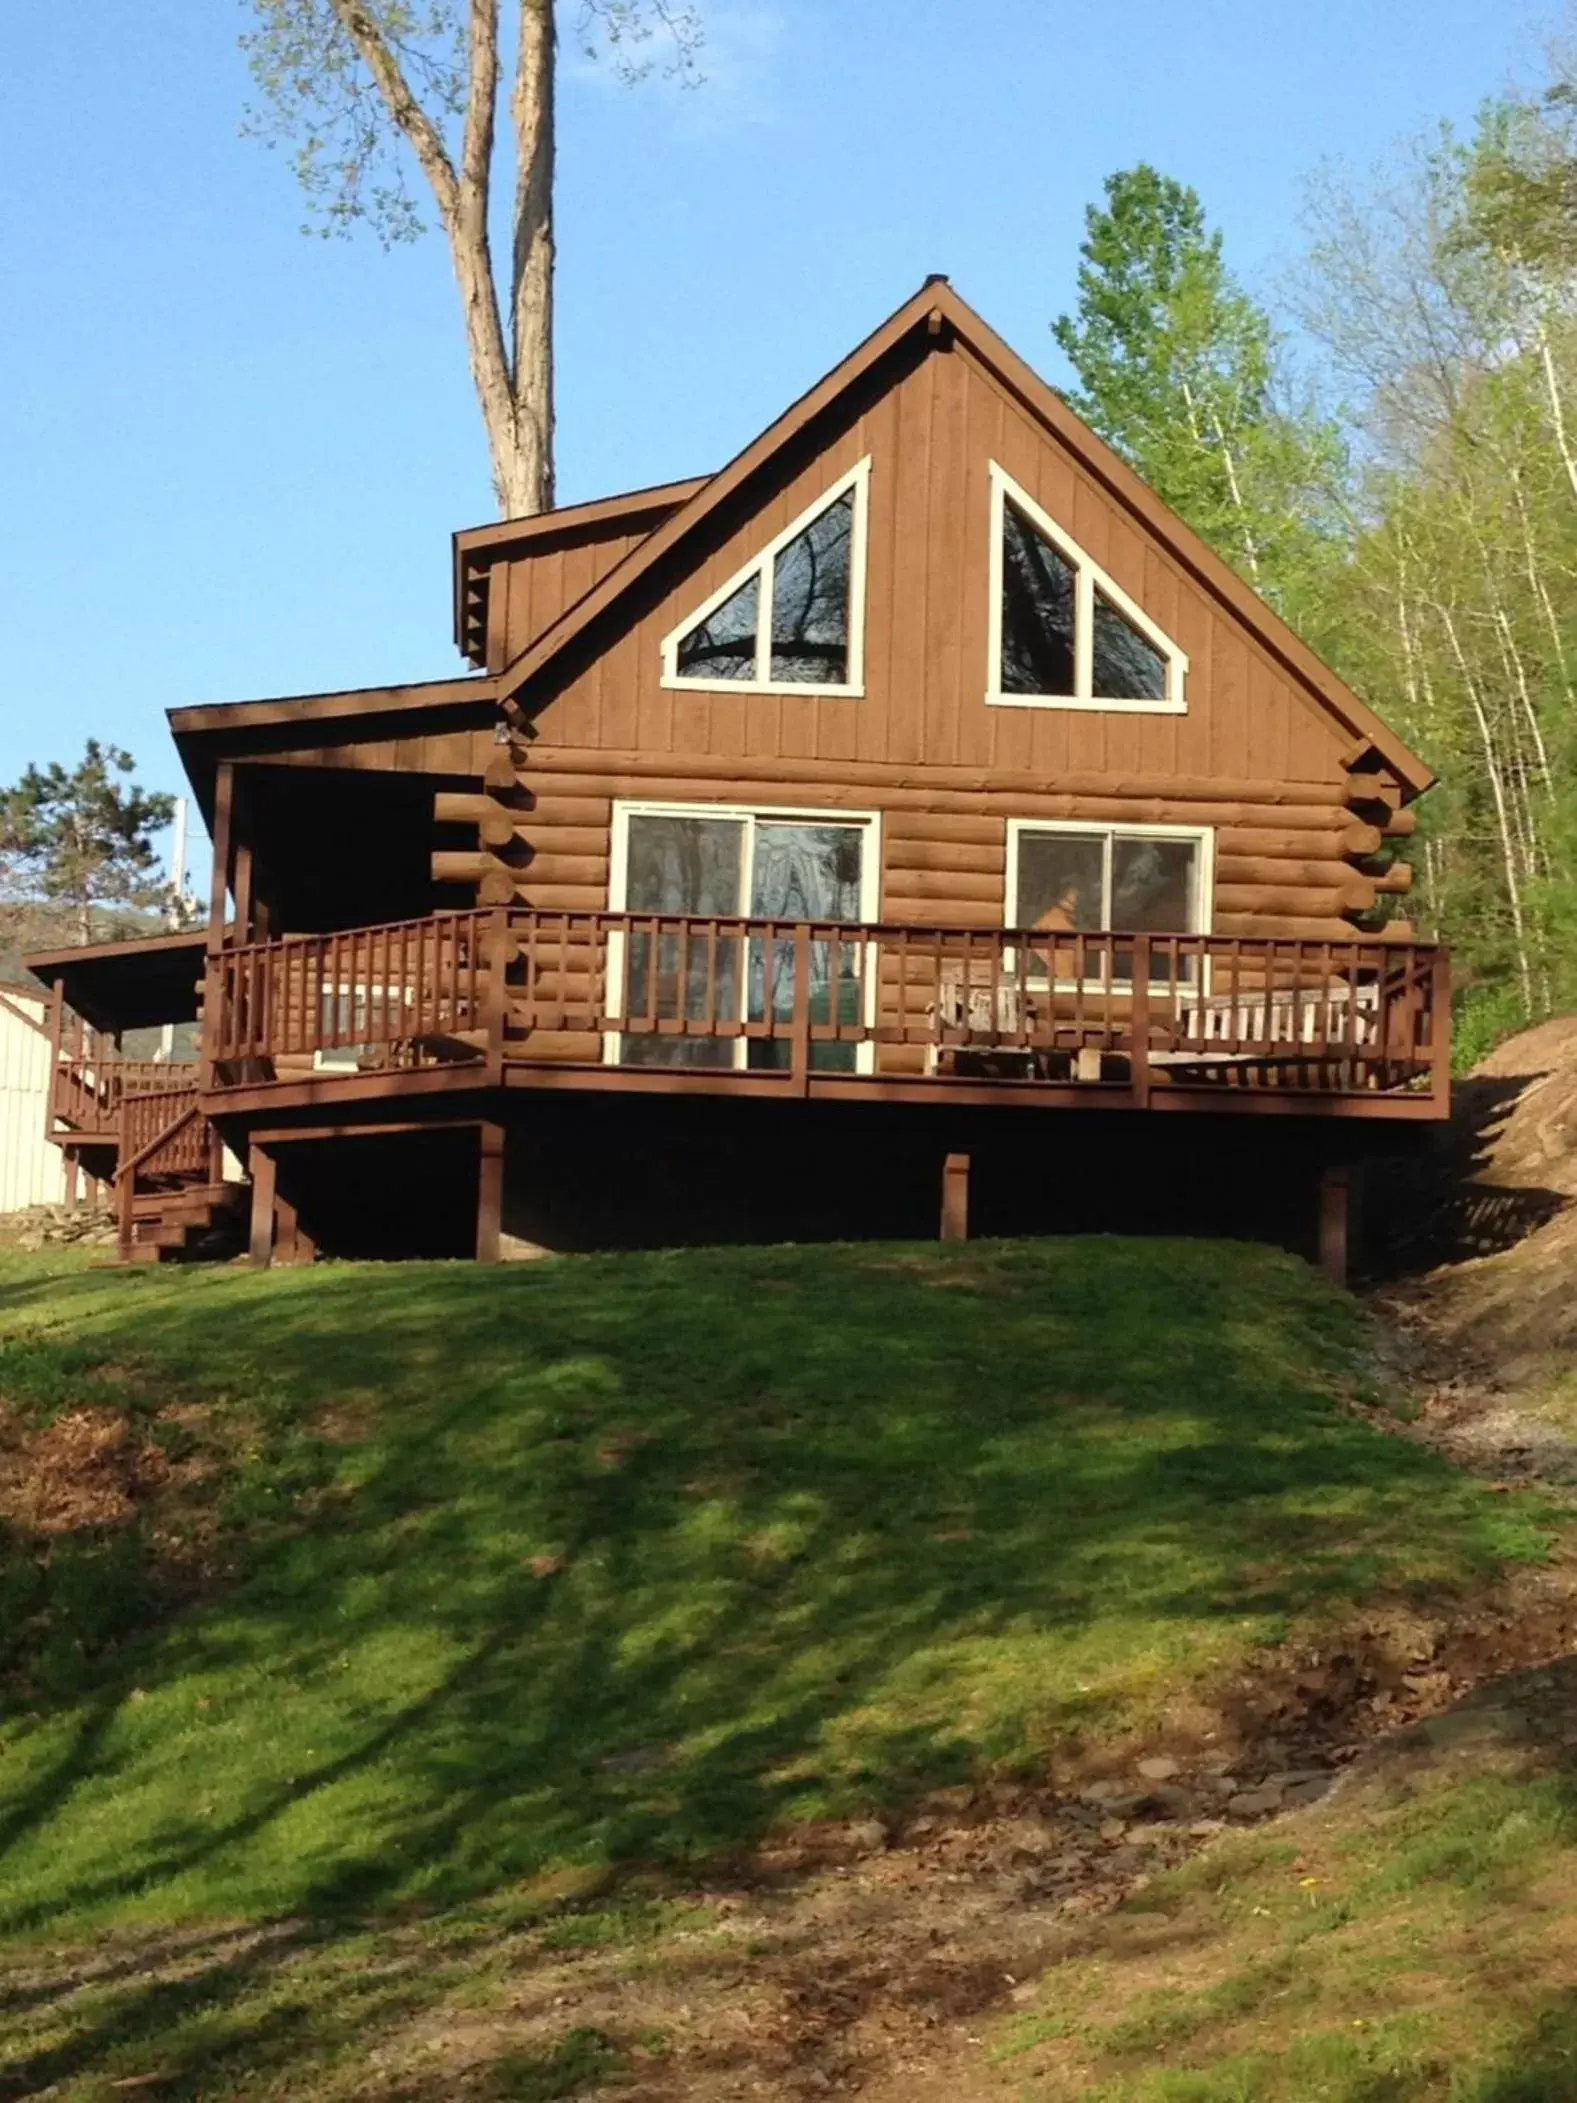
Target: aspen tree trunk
x=1557, y=411
x=1536, y=577
x=1502, y=811
x=1250, y=552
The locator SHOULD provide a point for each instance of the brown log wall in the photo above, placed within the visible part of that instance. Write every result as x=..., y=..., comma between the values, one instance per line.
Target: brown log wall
x=1281, y=860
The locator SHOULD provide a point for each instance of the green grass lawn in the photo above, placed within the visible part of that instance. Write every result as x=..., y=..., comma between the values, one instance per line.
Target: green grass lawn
x=448, y=1588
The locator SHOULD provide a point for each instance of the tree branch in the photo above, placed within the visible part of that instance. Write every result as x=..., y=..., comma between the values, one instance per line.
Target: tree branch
x=404, y=109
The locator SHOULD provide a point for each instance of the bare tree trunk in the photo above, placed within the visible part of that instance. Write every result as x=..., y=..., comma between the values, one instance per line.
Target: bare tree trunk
x=531, y=276
x=515, y=392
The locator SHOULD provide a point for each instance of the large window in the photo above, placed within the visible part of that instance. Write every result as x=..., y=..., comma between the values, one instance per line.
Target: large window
x=792, y=620
x=1091, y=879
x=1062, y=633
x=713, y=862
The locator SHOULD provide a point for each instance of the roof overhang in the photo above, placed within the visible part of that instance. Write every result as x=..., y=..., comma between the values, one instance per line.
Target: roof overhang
x=127, y=985
x=204, y=736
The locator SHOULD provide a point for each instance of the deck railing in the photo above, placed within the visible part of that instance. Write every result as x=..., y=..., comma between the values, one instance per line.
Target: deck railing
x=91, y=1077
x=416, y=989
x=1133, y=1011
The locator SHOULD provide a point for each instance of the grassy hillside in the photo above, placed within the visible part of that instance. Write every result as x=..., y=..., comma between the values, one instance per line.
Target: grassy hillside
x=1410, y=1942
x=347, y=1598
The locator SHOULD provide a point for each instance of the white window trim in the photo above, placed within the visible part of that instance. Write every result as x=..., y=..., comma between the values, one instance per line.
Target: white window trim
x=764, y=563
x=747, y=814
x=1089, y=578
x=1204, y=878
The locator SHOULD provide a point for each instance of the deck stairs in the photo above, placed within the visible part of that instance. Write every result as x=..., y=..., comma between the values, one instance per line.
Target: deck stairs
x=183, y=1219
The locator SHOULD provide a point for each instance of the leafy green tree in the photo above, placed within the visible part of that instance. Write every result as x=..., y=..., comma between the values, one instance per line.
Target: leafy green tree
x=79, y=843
x=1178, y=368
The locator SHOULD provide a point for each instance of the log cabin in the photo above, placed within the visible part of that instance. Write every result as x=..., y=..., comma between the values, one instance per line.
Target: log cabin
x=913, y=822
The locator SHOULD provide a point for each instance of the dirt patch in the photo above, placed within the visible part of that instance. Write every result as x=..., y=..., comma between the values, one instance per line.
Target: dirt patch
x=84, y=1470
x=1485, y=1225
x=1428, y=1341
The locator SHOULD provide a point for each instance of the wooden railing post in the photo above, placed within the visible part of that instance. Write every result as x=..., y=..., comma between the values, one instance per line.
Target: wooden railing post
x=1139, y=1024
x=1440, y=1033
x=799, y=1043
x=125, y=1185
x=495, y=997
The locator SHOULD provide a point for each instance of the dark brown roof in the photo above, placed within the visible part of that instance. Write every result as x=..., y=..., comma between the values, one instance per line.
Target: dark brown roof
x=221, y=730
x=937, y=308
x=127, y=985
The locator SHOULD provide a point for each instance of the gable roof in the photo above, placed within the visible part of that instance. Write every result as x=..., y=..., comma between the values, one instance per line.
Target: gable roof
x=938, y=310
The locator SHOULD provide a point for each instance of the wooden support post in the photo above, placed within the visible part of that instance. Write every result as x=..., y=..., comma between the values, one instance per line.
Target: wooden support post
x=243, y=893
x=955, y=1198
x=57, y=1018
x=126, y=1192
x=262, y=1167
x=292, y=1242
x=1335, y=1209
x=224, y=803
x=73, y=1169
x=490, y=1194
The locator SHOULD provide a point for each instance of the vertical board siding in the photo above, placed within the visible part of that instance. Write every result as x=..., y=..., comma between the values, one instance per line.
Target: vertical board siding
x=537, y=588
x=32, y=1170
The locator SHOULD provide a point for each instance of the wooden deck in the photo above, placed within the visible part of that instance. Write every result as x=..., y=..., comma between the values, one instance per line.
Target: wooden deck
x=648, y=1003
x=140, y=1124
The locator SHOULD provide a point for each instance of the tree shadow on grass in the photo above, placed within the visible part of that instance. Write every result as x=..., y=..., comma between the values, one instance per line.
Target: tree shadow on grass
x=626, y=1560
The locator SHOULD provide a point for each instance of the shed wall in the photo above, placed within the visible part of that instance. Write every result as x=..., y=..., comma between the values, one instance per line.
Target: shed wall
x=32, y=1171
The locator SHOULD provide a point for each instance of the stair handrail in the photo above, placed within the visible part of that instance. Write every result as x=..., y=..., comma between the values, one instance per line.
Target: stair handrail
x=160, y=1138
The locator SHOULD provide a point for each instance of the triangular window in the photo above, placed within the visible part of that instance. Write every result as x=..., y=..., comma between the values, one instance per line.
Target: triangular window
x=723, y=646
x=792, y=620
x=1063, y=634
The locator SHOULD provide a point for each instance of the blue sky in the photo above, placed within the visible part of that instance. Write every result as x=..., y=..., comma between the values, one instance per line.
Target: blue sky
x=231, y=457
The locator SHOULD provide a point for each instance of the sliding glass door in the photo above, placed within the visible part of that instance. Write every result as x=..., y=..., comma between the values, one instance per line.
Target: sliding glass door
x=739, y=863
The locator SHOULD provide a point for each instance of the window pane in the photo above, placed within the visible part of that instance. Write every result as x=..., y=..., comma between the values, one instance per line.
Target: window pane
x=680, y=865
x=810, y=599
x=723, y=646
x=683, y=865
x=805, y=872
x=1037, y=612
x=1060, y=881
x=1127, y=668
x=1153, y=885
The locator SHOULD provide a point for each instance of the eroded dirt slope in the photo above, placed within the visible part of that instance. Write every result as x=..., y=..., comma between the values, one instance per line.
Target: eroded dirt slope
x=1485, y=1229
